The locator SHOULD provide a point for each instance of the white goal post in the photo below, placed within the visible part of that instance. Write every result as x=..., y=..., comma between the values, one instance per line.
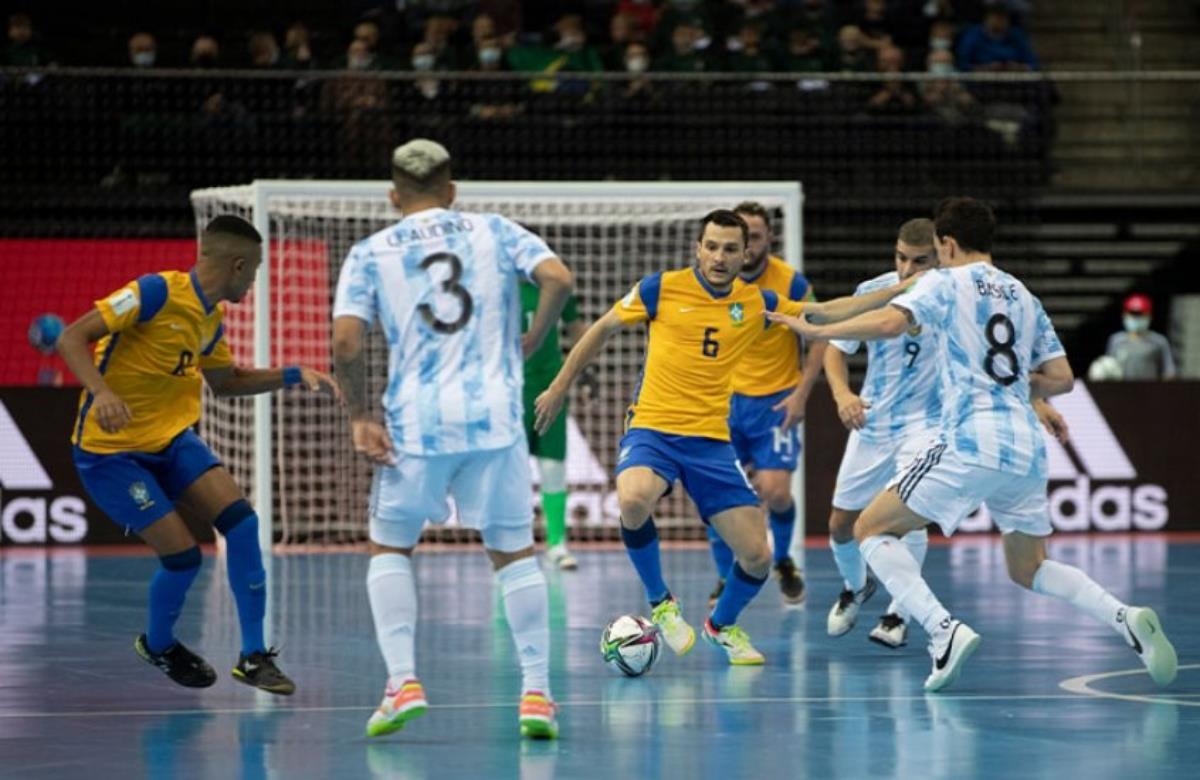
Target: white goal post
x=291, y=455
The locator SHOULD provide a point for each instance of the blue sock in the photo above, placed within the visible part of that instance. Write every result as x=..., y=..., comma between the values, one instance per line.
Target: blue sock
x=247, y=579
x=642, y=547
x=721, y=554
x=782, y=525
x=168, y=589
x=740, y=588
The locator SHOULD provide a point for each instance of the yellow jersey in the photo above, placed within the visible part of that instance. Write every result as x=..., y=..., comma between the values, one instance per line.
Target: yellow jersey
x=697, y=336
x=772, y=364
x=162, y=331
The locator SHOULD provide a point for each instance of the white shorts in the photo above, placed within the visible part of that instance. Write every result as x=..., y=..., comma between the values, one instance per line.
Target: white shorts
x=940, y=487
x=869, y=466
x=491, y=489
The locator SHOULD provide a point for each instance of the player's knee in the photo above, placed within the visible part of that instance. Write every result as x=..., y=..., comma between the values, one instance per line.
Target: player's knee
x=237, y=514
x=635, y=510
x=841, y=525
x=756, y=560
x=187, y=561
x=778, y=497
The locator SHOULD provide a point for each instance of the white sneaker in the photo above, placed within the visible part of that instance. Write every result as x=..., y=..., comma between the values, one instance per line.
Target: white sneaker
x=844, y=613
x=891, y=632
x=559, y=556
x=949, y=658
x=399, y=706
x=1145, y=635
x=678, y=635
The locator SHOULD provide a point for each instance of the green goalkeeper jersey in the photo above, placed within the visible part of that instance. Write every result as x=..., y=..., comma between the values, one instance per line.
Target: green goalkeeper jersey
x=542, y=366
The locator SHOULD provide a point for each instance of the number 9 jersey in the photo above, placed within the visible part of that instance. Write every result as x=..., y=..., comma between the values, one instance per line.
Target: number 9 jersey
x=444, y=286
x=696, y=338
x=991, y=332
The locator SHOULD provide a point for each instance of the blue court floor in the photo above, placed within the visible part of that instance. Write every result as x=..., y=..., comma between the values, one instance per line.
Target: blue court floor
x=1049, y=694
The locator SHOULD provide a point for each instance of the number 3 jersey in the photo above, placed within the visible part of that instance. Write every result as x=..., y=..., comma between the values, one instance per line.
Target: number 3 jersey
x=992, y=332
x=696, y=338
x=902, y=378
x=162, y=332
x=444, y=286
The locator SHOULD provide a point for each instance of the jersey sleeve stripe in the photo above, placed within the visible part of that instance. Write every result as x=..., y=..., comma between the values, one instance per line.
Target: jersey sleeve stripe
x=152, y=292
x=215, y=339
x=799, y=287
x=648, y=291
x=770, y=299
x=87, y=404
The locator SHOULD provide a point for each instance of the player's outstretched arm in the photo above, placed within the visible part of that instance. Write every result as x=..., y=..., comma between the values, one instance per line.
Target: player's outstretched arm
x=110, y=411
x=236, y=380
x=550, y=403
x=844, y=308
x=852, y=410
x=350, y=363
x=1054, y=377
x=879, y=324
x=554, y=281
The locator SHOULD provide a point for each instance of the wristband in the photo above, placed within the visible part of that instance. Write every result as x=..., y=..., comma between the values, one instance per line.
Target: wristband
x=292, y=376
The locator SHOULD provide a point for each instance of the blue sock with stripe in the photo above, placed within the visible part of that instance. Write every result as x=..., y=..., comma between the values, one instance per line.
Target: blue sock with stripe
x=721, y=554
x=642, y=547
x=168, y=591
x=782, y=525
x=247, y=578
x=740, y=589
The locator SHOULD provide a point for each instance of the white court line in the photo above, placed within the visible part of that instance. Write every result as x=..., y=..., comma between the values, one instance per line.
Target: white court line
x=1082, y=686
x=590, y=703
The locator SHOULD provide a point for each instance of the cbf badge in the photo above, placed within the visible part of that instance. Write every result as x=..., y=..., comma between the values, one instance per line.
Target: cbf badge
x=140, y=495
x=737, y=314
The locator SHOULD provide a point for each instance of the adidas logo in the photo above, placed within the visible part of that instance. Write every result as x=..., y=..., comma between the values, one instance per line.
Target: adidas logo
x=33, y=519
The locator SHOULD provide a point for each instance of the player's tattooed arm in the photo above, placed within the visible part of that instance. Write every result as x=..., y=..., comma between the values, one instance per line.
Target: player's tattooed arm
x=550, y=403
x=350, y=363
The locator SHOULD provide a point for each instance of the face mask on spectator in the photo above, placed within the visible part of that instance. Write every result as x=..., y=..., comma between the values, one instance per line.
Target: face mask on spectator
x=939, y=44
x=942, y=69
x=489, y=56
x=359, y=63
x=143, y=59
x=1135, y=324
x=637, y=64
x=423, y=62
x=570, y=43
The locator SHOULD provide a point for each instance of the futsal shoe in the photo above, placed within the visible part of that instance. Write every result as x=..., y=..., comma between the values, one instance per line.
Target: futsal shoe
x=1145, y=635
x=259, y=670
x=717, y=590
x=678, y=635
x=791, y=583
x=177, y=662
x=844, y=613
x=891, y=632
x=539, y=716
x=399, y=706
x=560, y=556
x=735, y=643
x=948, y=658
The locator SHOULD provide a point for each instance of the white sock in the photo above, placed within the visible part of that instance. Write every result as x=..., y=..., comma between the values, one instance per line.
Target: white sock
x=917, y=543
x=898, y=571
x=850, y=563
x=1080, y=591
x=527, y=608
x=393, y=594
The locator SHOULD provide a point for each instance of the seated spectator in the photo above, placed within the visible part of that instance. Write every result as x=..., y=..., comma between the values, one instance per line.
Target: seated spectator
x=483, y=27
x=637, y=62
x=206, y=52
x=572, y=41
x=263, y=50
x=949, y=99
x=1140, y=352
x=683, y=13
x=873, y=24
x=684, y=56
x=297, y=44
x=995, y=45
x=746, y=51
x=491, y=100
x=852, y=55
x=894, y=95
x=941, y=36
x=439, y=30
x=623, y=30
x=424, y=61
x=143, y=50
x=804, y=54
x=23, y=49
x=360, y=105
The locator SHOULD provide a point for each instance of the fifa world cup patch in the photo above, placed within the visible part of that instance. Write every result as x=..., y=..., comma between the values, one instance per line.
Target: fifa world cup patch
x=123, y=302
x=737, y=314
x=140, y=495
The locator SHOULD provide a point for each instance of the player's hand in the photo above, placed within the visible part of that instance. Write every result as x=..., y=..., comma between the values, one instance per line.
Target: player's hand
x=852, y=411
x=371, y=439
x=318, y=382
x=793, y=407
x=905, y=285
x=1054, y=422
x=546, y=408
x=797, y=324
x=111, y=412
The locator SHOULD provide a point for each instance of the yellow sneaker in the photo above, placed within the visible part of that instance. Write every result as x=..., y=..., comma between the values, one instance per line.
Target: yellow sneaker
x=678, y=635
x=735, y=643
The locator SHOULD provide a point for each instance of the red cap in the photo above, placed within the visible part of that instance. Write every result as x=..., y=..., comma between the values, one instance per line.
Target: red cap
x=1138, y=304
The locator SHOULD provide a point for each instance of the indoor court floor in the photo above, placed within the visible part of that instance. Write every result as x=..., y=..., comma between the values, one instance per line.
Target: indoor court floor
x=1049, y=694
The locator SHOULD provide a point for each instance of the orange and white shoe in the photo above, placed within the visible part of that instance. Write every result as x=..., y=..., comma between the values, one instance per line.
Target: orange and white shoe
x=399, y=706
x=539, y=716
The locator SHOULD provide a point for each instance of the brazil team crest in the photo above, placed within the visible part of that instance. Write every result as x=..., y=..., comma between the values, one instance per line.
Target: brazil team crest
x=737, y=313
x=140, y=495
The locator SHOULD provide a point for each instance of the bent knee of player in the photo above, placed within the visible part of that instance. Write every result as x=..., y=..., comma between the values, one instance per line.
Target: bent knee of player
x=841, y=525
x=756, y=559
x=1022, y=572
x=886, y=514
x=778, y=497
x=635, y=511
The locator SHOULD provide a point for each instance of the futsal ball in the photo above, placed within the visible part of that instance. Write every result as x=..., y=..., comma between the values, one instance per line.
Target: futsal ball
x=631, y=644
x=44, y=332
x=1104, y=369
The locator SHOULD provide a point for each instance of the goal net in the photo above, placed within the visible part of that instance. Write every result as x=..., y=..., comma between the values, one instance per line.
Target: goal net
x=292, y=451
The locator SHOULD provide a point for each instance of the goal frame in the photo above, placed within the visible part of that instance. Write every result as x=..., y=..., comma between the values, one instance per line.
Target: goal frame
x=789, y=193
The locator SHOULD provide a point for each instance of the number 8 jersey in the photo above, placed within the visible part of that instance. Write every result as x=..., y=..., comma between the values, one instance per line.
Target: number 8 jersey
x=991, y=332
x=443, y=285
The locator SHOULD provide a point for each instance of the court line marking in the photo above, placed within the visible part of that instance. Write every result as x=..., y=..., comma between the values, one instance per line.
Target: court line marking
x=617, y=702
x=1082, y=686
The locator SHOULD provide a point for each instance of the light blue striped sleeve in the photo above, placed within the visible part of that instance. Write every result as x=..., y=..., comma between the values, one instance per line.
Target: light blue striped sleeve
x=1046, y=345
x=523, y=248
x=930, y=300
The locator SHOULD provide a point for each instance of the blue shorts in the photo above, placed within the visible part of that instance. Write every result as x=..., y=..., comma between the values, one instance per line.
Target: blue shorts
x=755, y=430
x=137, y=488
x=708, y=468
